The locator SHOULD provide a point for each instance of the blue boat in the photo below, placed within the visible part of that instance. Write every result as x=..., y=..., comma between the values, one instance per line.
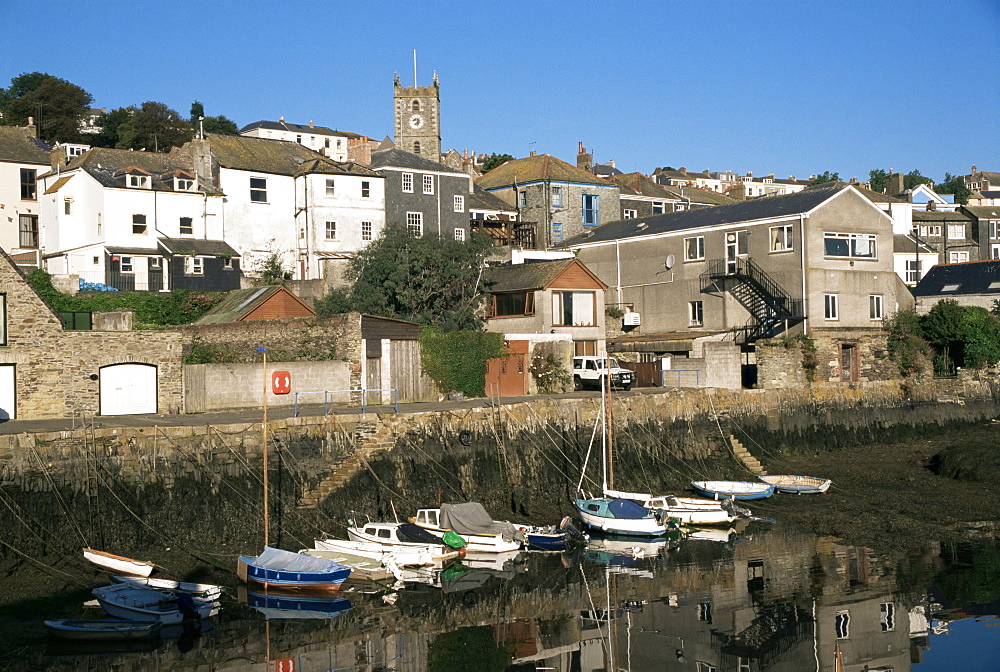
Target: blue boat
x=619, y=516
x=285, y=570
x=734, y=489
x=297, y=606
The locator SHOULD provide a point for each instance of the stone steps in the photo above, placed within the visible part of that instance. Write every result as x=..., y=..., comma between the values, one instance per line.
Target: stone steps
x=744, y=456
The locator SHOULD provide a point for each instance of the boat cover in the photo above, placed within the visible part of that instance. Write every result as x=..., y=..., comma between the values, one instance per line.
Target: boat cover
x=416, y=534
x=472, y=518
x=627, y=509
x=276, y=558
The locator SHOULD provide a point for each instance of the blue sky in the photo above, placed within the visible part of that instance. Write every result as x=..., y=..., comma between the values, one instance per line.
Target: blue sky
x=789, y=87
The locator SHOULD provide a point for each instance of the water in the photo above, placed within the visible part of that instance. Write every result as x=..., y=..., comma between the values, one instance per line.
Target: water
x=751, y=598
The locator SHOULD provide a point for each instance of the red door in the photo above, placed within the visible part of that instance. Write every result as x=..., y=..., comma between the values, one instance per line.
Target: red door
x=507, y=376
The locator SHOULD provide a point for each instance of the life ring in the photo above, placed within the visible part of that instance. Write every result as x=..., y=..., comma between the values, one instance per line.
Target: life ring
x=465, y=437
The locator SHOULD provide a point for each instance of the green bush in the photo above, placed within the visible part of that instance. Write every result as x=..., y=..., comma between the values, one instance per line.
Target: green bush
x=456, y=361
x=550, y=374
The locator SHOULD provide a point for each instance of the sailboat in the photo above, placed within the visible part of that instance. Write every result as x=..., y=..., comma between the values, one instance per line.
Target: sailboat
x=612, y=514
x=284, y=570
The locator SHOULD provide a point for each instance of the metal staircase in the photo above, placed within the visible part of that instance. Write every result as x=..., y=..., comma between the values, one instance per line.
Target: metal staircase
x=771, y=308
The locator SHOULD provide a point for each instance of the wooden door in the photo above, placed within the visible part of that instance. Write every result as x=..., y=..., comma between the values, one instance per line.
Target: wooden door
x=507, y=376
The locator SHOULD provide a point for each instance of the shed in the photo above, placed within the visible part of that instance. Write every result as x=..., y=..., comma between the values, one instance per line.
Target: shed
x=257, y=303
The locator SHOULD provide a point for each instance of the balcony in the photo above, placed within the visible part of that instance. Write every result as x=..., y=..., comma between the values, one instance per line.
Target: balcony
x=110, y=281
x=516, y=234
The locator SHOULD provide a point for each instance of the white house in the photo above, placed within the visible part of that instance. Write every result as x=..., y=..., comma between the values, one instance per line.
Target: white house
x=283, y=198
x=135, y=221
x=22, y=159
x=330, y=143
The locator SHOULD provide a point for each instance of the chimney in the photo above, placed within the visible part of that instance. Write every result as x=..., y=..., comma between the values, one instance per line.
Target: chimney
x=281, y=120
x=532, y=153
x=57, y=157
x=931, y=206
x=974, y=173
x=682, y=170
x=30, y=128
x=791, y=177
x=584, y=159
x=311, y=124
x=894, y=184
x=853, y=180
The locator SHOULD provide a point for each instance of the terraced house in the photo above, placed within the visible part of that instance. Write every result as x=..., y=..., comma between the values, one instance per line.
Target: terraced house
x=22, y=159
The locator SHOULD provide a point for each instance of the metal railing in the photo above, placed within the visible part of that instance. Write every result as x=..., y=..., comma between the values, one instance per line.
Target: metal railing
x=328, y=398
x=664, y=372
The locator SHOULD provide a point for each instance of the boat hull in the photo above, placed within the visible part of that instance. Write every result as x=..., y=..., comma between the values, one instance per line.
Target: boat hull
x=201, y=591
x=799, y=485
x=297, y=606
x=102, y=629
x=293, y=581
x=596, y=515
x=743, y=490
x=145, y=604
x=117, y=564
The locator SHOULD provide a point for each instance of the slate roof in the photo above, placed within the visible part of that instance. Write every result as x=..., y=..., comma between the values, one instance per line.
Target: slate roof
x=639, y=184
x=17, y=146
x=525, y=277
x=983, y=211
x=120, y=159
x=940, y=216
x=399, y=158
x=197, y=246
x=239, y=302
x=541, y=168
x=480, y=199
x=905, y=244
x=994, y=178
x=745, y=211
x=972, y=277
x=700, y=196
x=277, y=157
x=873, y=196
x=297, y=128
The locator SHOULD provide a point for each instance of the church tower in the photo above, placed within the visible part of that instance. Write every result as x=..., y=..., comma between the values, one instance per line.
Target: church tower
x=418, y=118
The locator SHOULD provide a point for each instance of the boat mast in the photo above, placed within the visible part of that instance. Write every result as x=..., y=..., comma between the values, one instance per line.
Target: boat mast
x=263, y=438
x=608, y=421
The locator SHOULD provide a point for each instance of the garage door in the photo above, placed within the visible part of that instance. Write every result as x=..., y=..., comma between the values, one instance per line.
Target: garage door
x=7, y=410
x=128, y=389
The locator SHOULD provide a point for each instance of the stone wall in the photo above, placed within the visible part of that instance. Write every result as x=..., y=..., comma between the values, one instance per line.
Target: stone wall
x=786, y=362
x=216, y=387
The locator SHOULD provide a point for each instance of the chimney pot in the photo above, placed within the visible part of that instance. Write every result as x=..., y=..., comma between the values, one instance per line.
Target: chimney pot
x=281, y=120
x=311, y=124
x=533, y=153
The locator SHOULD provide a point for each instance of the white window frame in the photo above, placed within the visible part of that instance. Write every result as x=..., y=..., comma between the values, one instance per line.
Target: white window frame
x=67, y=206
x=183, y=184
x=629, y=213
x=366, y=189
x=856, y=242
x=428, y=184
x=958, y=257
x=123, y=262
x=831, y=307
x=696, y=313
x=407, y=183
x=994, y=250
x=875, y=307
x=258, y=190
x=459, y=204
x=579, y=302
x=929, y=230
x=136, y=221
x=181, y=227
x=138, y=181
x=460, y=234
x=956, y=231
x=330, y=230
x=698, y=253
x=913, y=268
x=415, y=223
x=556, y=197
x=522, y=199
x=331, y=187
x=659, y=207
x=366, y=230
x=782, y=238
x=995, y=228
x=194, y=266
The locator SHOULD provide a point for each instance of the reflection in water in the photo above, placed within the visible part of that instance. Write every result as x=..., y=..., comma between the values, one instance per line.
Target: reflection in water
x=743, y=601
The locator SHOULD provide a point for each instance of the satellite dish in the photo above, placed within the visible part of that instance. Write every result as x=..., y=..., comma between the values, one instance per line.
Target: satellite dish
x=669, y=262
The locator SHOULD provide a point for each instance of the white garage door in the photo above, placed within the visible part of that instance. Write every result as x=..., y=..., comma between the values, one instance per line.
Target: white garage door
x=128, y=389
x=7, y=410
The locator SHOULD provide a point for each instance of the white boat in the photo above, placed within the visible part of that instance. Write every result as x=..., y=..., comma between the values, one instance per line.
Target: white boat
x=117, y=564
x=472, y=523
x=123, y=600
x=102, y=629
x=203, y=591
x=688, y=510
x=799, y=485
x=401, y=539
x=734, y=489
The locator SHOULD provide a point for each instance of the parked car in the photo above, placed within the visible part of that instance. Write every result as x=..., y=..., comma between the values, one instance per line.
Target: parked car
x=590, y=371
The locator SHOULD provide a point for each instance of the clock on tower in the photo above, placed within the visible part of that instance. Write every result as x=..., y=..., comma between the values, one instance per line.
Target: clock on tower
x=417, y=117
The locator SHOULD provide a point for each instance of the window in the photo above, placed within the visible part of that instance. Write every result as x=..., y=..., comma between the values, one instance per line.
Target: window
x=517, y=303
x=830, y=311
x=995, y=251
x=852, y=245
x=416, y=147
x=126, y=265
x=183, y=184
x=330, y=188
x=875, y=307
x=95, y=260
x=557, y=235
x=366, y=230
x=843, y=624
x=28, y=226
x=591, y=211
x=338, y=143
x=187, y=226
x=694, y=248
x=584, y=348
x=366, y=190
x=705, y=667
x=781, y=238
x=696, y=313
x=68, y=206
x=428, y=184
x=258, y=189
x=416, y=105
x=99, y=226
x=958, y=257
x=930, y=230
x=227, y=263
x=659, y=207
x=522, y=199
x=460, y=234
x=407, y=183
x=951, y=288
x=887, y=616
x=573, y=309
x=193, y=266
x=331, y=230
x=298, y=139
x=154, y=262
x=556, y=197
x=956, y=231
x=415, y=223
x=138, y=225
x=29, y=185
x=995, y=228
x=140, y=181
x=630, y=214
x=326, y=143
x=913, y=271
x=459, y=203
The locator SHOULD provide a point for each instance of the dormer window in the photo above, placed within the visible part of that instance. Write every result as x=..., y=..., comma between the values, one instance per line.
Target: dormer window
x=184, y=184
x=138, y=181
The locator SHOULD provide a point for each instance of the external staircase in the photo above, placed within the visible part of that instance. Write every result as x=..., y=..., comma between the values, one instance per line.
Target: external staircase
x=369, y=438
x=744, y=456
x=771, y=308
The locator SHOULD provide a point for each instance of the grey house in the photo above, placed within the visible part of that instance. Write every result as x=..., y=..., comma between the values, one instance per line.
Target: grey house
x=424, y=196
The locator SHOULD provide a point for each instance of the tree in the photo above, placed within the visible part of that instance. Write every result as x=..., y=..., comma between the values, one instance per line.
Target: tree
x=110, y=124
x=153, y=127
x=428, y=280
x=955, y=185
x=495, y=160
x=943, y=327
x=823, y=178
x=914, y=179
x=220, y=124
x=56, y=105
x=876, y=179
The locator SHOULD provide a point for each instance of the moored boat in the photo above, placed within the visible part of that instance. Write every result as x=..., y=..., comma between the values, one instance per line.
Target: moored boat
x=297, y=606
x=117, y=564
x=734, y=489
x=202, y=591
x=800, y=485
x=285, y=570
x=123, y=600
x=687, y=510
x=409, y=544
x=471, y=521
x=619, y=516
x=103, y=629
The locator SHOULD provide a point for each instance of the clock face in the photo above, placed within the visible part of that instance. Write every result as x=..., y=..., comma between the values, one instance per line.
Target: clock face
x=416, y=121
